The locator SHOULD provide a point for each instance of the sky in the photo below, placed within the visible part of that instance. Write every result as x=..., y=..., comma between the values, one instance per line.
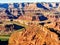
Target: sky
x=20, y=1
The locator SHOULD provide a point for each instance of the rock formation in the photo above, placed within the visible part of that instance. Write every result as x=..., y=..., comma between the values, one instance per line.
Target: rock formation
x=34, y=35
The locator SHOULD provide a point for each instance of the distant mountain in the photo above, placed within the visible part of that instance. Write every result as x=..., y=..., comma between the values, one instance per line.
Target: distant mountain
x=40, y=5
x=4, y=5
x=46, y=6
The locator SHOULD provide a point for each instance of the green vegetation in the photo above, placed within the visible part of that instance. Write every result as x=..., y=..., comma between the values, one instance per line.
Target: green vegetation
x=4, y=37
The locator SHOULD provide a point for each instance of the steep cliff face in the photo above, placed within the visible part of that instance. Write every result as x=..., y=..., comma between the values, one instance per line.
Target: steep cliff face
x=34, y=35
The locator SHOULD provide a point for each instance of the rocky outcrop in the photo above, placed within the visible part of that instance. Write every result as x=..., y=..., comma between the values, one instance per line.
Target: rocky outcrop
x=34, y=35
x=29, y=18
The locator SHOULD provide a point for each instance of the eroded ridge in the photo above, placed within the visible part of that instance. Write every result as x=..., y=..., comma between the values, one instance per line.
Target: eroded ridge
x=34, y=35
